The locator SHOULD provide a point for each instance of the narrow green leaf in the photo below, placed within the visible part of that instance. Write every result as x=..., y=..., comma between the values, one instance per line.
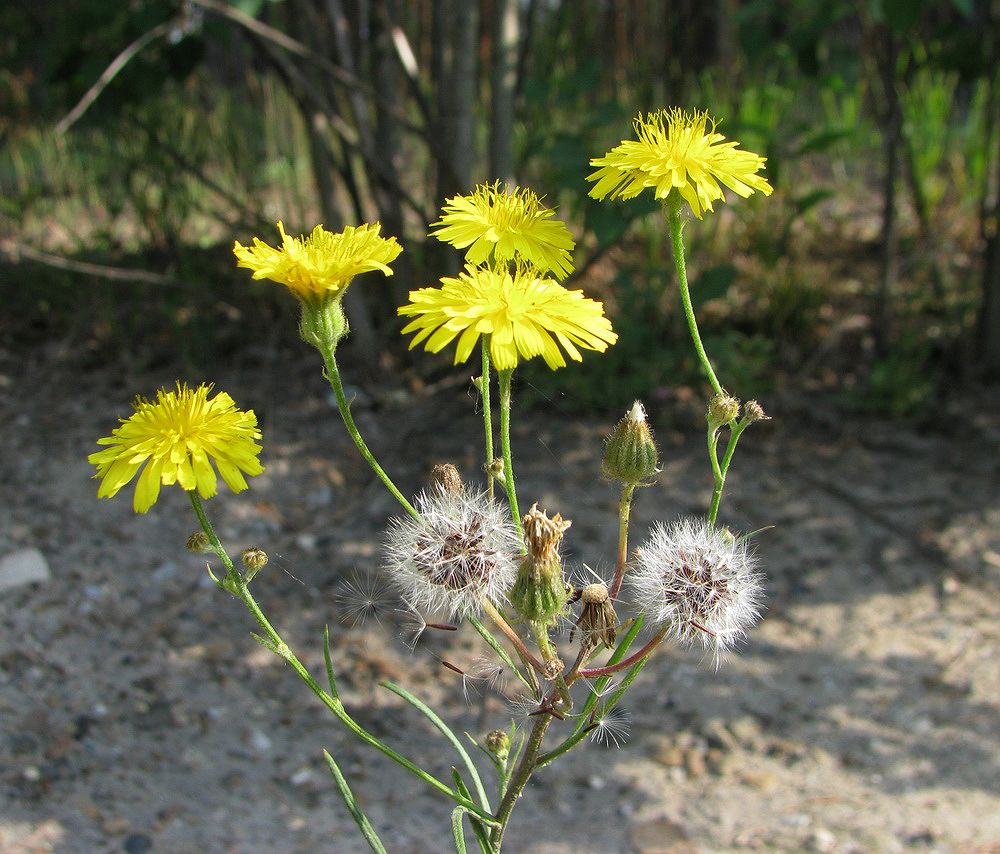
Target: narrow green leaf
x=330, y=678
x=371, y=837
x=482, y=834
x=443, y=728
x=498, y=648
x=457, y=831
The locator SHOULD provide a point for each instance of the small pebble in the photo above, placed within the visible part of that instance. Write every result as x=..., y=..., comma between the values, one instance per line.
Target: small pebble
x=137, y=843
x=26, y=566
x=822, y=841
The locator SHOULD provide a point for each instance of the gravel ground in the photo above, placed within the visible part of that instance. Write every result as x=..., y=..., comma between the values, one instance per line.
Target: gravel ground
x=137, y=715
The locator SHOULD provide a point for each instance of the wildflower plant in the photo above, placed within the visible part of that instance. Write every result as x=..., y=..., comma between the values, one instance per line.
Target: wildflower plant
x=465, y=551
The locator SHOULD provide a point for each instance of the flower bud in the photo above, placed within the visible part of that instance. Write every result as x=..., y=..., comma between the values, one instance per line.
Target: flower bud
x=323, y=324
x=254, y=559
x=630, y=454
x=539, y=594
x=498, y=743
x=446, y=477
x=198, y=543
x=753, y=411
x=721, y=410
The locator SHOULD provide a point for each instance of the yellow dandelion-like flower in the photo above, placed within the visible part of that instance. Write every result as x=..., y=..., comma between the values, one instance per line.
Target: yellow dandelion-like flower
x=319, y=267
x=506, y=225
x=678, y=150
x=175, y=440
x=523, y=314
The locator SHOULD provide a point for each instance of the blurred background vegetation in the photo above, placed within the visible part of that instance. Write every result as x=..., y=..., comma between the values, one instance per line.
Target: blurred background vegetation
x=140, y=139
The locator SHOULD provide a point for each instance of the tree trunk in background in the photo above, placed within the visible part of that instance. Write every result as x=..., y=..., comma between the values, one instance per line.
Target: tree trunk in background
x=505, y=32
x=389, y=90
x=989, y=309
x=455, y=31
x=887, y=57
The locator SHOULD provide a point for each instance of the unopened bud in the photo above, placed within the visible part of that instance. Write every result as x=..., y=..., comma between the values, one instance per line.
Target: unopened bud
x=539, y=594
x=254, y=559
x=323, y=324
x=199, y=543
x=721, y=410
x=630, y=453
x=446, y=478
x=498, y=743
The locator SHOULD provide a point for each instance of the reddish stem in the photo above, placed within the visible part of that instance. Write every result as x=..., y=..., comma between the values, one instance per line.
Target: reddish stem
x=594, y=672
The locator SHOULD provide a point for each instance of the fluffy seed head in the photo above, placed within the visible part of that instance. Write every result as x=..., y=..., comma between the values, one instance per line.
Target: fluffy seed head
x=699, y=582
x=462, y=550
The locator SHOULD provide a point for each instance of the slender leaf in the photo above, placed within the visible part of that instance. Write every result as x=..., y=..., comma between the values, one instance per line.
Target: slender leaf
x=329, y=663
x=498, y=648
x=443, y=728
x=371, y=837
x=457, y=831
x=482, y=835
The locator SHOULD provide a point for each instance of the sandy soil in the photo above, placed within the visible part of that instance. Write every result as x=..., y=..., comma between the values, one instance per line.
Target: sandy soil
x=137, y=715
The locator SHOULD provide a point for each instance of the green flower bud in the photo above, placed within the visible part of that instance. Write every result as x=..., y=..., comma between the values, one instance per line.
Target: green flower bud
x=630, y=454
x=322, y=325
x=721, y=410
x=539, y=594
x=498, y=743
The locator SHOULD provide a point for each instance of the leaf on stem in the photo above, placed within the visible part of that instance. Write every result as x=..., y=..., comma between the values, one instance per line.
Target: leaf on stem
x=371, y=837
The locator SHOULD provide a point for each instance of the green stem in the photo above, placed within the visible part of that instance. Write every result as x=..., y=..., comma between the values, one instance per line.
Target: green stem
x=508, y=464
x=484, y=390
x=240, y=589
x=581, y=731
x=333, y=376
x=736, y=431
x=674, y=202
x=520, y=778
x=624, y=508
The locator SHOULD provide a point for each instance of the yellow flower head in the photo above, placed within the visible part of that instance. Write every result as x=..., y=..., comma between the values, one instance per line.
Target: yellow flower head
x=523, y=314
x=319, y=267
x=493, y=221
x=176, y=440
x=678, y=150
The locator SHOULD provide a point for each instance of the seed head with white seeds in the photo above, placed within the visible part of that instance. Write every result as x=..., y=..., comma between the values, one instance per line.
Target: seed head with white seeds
x=460, y=551
x=699, y=581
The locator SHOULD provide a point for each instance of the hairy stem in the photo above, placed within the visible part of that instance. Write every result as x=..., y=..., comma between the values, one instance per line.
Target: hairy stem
x=608, y=669
x=238, y=587
x=674, y=202
x=484, y=390
x=508, y=464
x=624, y=508
x=494, y=614
x=333, y=376
x=520, y=778
x=721, y=470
